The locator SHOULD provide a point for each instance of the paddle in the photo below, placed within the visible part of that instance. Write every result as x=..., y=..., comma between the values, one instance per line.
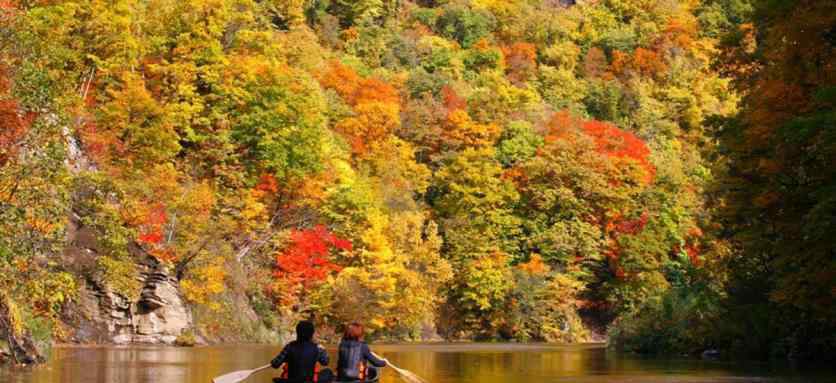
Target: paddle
x=405, y=374
x=237, y=376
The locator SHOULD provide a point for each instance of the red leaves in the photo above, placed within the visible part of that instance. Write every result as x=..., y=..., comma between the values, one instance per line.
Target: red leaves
x=609, y=141
x=452, y=100
x=267, y=183
x=152, y=233
x=633, y=226
x=617, y=143
x=306, y=260
x=15, y=125
x=152, y=237
x=151, y=229
x=618, y=226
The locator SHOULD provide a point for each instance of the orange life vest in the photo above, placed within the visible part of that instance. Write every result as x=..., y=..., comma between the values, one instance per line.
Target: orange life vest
x=315, y=373
x=362, y=368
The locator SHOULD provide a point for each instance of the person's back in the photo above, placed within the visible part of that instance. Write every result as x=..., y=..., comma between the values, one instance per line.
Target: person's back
x=301, y=356
x=354, y=356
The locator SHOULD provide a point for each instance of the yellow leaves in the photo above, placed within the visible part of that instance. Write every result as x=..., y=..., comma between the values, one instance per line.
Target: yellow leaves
x=377, y=244
x=170, y=211
x=12, y=312
x=563, y=55
x=120, y=275
x=205, y=282
x=372, y=123
x=252, y=209
x=293, y=11
x=464, y=132
x=52, y=290
x=139, y=130
x=486, y=280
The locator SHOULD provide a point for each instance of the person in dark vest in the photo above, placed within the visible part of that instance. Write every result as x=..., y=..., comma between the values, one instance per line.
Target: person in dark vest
x=300, y=358
x=355, y=357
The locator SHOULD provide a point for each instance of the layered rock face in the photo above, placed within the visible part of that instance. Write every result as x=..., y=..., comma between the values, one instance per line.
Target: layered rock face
x=99, y=315
x=158, y=316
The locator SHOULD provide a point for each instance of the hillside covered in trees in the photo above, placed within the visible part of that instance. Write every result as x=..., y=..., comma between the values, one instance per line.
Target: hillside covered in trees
x=534, y=170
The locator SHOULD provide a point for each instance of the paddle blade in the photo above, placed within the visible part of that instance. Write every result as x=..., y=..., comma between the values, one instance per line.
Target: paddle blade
x=233, y=377
x=408, y=376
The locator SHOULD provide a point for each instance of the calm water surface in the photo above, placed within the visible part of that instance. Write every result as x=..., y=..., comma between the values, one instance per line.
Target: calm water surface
x=438, y=363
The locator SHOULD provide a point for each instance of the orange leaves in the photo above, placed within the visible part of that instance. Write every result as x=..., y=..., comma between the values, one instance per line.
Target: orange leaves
x=452, y=100
x=643, y=62
x=5, y=82
x=462, y=131
x=521, y=52
x=8, y=8
x=561, y=126
x=376, y=107
x=342, y=79
x=520, y=59
x=535, y=266
x=356, y=90
x=373, y=123
x=621, y=145
x=678, y=33
x=648, y=62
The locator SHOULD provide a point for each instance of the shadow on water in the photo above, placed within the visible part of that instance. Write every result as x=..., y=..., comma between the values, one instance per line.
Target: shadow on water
x=439, y=363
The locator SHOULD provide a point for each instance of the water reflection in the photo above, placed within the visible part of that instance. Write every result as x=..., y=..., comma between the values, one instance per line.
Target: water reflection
x=442, y=363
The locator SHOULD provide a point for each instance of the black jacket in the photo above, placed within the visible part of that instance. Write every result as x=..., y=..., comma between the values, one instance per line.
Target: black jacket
x=352, y=354
x=301, y=358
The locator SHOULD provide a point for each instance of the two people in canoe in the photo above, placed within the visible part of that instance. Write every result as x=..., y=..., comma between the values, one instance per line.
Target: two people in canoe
x=302, y=358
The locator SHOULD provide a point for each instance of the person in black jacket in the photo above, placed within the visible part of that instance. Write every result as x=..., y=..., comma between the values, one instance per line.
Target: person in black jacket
x=355, y=356
x=301, y=357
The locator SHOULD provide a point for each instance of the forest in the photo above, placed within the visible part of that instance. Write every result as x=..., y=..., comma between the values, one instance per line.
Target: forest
x=658, y=173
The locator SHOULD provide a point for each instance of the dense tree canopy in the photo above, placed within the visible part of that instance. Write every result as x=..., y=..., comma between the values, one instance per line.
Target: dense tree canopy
x=517, y=169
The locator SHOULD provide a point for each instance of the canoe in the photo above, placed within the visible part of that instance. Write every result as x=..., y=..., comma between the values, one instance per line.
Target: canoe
x=374, y=377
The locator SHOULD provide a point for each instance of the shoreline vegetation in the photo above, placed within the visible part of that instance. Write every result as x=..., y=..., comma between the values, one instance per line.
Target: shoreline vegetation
x=655, y=173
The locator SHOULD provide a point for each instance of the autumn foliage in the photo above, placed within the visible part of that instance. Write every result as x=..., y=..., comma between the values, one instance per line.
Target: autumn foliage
x=307, y=259
x=487, y=169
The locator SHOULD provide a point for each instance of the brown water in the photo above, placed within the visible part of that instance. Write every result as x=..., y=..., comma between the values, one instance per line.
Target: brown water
x=438, y=363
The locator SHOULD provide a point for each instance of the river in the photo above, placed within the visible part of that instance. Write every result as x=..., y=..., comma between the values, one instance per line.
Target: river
x=438, y=363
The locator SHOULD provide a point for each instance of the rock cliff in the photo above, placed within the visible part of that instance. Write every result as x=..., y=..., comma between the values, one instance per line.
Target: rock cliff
x=158, y=316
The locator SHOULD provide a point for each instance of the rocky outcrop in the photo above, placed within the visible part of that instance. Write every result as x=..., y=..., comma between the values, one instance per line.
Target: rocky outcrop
x=161, y=314
x=158, y=316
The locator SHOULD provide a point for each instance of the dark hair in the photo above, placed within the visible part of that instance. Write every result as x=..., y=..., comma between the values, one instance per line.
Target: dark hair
x=305, y=330
x=353, y=331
